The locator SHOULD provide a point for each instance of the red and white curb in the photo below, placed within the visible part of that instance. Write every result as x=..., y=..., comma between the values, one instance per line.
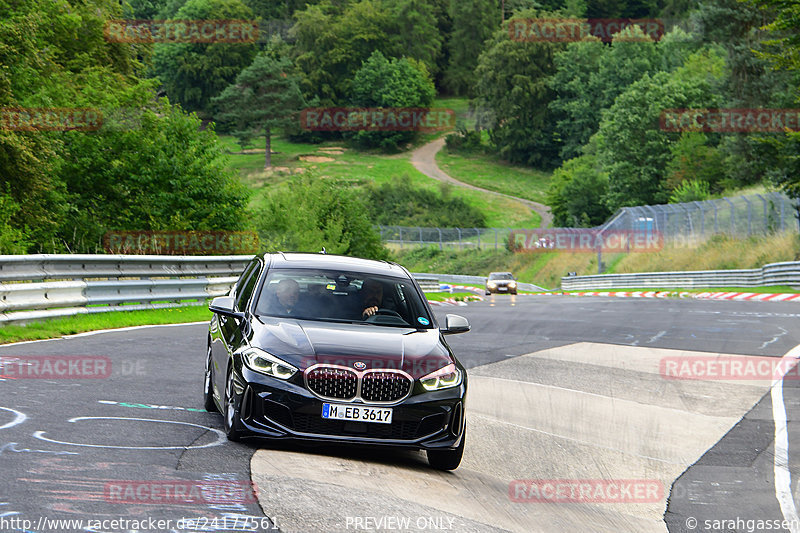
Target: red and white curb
x=735, y=296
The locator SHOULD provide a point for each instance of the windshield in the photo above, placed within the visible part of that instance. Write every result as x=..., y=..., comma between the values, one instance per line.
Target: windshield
x=342, y=296
x=501, y=275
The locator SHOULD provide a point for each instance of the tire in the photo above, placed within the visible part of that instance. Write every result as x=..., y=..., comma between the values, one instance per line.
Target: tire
x=447, y=459
x=232, y=413
x=208, y=387
x=488, y=293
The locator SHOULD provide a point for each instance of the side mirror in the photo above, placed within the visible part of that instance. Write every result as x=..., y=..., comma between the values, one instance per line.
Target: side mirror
x=455, y=324
x=223, y=305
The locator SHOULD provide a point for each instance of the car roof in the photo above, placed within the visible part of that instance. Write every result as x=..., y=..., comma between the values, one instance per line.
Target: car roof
x=342, y=262
x=490, y=273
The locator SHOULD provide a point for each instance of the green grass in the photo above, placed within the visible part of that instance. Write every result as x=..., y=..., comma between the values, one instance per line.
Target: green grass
x=488, y=172
x=56, y=327
x=360, y=167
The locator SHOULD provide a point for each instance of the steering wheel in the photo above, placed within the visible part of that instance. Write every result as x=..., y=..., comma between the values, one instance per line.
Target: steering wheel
x=385, y=312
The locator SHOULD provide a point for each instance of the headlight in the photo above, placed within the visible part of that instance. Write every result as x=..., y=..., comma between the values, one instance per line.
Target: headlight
x=268, y=364
x=444, y=378
x=491, y=284
x=512, y=284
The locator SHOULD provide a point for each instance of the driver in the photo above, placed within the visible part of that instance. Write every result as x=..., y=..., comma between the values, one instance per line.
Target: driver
x=371, y=297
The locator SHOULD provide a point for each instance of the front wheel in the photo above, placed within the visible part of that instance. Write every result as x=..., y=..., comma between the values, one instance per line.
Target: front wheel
x=447, y=459
x=232, y=410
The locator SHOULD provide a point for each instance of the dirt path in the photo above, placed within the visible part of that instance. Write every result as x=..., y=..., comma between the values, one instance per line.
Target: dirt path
x=424, y=159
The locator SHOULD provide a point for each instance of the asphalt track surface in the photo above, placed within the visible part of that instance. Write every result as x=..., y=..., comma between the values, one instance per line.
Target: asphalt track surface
x=78, y=448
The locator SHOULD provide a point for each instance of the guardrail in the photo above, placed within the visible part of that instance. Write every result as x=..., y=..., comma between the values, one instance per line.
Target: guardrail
x=787, y=273
x=41, y=286
x=103, y=283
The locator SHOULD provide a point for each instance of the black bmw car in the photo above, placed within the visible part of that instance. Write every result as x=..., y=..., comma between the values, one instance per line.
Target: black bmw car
x=336, y=349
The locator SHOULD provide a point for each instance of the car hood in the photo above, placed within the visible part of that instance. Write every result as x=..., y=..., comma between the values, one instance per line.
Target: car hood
x=304, y=343
x=500, y=281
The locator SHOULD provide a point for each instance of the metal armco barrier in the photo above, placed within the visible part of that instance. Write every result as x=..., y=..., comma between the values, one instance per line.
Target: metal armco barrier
x=42, y=286
x=103, y=283
x=787, y=273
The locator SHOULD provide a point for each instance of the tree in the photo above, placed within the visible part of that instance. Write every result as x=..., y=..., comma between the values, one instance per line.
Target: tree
x=194, y=73
x=381, y=82
x=589, y=76
x=694, y=160
x=577, y=193
x=312, y=213
x=332, y=40
x=512, y=82
x=474, y=21
x=414, y=32
x=163, y=174
x=631, y=146
x=265, y=96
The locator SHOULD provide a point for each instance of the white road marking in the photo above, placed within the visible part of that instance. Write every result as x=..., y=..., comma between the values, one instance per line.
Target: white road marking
x=221, y=439
x=19, y=418
x=783, y=478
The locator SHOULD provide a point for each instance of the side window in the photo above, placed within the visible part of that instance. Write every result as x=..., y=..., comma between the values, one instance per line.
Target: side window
x=246, y=286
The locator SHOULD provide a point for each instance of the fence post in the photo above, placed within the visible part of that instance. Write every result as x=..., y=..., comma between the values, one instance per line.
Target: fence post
x=400, y=228
x=441, y=247
x=478, y=233
x=460, y=246
x=766, y=213
x=495, y=238
x=733, y=215
x=420, y=235
x=749, y=216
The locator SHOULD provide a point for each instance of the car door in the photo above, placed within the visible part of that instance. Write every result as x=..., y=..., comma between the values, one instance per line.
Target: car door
x=230, y=330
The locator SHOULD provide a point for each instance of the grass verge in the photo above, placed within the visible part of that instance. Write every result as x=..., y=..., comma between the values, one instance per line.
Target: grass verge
x=56, y=327
x=489, y=173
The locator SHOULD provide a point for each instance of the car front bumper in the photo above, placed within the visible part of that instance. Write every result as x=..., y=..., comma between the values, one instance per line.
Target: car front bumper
x=278, y=409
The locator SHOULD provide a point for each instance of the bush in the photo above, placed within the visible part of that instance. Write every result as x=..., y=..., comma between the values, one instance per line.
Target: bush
x=463, y=141
x=690, y=191
x=401, y=204
x=311, y=213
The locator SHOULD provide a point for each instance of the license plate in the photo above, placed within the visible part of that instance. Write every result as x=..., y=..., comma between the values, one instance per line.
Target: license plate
x=502, y=289
x=359, y=413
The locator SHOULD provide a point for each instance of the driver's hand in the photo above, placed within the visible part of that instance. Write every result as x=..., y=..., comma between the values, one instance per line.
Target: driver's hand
x=369, y=311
